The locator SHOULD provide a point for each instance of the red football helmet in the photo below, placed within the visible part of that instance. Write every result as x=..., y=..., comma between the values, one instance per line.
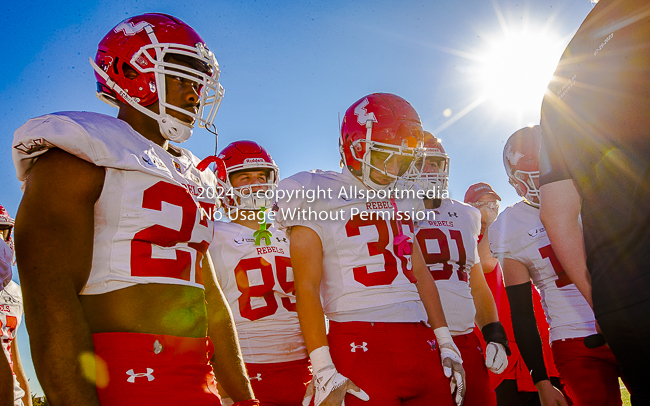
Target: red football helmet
x=6, y=225
x=142, y=43
x=521, y=159
x=384, y=123
x=247, y=156
x=433, y=152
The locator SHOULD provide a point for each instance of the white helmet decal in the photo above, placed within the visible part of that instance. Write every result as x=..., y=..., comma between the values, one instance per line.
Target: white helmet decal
x=362, y=114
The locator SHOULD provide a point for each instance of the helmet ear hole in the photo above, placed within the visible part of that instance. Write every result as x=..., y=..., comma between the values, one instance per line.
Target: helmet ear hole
x=129, y=72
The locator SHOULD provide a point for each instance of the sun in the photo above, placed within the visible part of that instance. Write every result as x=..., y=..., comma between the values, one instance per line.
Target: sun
x=516, y=67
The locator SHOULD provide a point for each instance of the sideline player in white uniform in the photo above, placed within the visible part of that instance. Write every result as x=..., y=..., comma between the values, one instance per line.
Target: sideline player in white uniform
x=354, y=261
x=11, y=313
x=256, y=277
x=449, y=245
x=519, y=239
x=123, y=305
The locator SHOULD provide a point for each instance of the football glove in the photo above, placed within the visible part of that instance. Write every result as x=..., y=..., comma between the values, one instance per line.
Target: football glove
x=452, y=363
x=328, y=386
x=497, y=349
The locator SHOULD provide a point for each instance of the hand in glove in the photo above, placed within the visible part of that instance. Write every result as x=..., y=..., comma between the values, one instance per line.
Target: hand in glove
x=328, y=385
x=497, y=350
x=452, y=363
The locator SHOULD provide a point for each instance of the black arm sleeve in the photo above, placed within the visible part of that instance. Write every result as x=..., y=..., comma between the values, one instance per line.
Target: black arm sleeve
x=524, y=325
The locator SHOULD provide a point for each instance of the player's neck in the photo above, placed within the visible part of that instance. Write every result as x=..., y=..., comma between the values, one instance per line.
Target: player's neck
x=432, y=203
x=143, y=125
x=247, y=218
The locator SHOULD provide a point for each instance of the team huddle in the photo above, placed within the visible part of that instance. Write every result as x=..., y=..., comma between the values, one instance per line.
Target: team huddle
x=398, y=300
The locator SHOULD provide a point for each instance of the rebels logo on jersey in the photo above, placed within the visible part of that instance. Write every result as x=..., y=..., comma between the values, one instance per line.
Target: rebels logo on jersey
x=258, y=284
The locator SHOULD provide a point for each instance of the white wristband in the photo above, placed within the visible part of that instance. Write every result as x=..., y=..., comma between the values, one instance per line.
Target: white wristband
x=320, y=358
x=443, y=335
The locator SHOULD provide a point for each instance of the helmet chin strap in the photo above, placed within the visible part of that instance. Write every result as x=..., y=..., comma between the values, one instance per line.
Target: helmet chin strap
x=172, y=129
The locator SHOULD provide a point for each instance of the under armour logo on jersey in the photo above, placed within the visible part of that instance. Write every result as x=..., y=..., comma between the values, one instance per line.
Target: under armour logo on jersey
x=363, y=347
x=129, y=28
x=133, y=375
x=452, y=214
x=32, y=146
x=257, y=378
x=362, y=114
x=284, y=239
x=513, y=156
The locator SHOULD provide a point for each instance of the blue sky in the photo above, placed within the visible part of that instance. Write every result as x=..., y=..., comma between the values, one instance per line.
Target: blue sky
x=291, y=67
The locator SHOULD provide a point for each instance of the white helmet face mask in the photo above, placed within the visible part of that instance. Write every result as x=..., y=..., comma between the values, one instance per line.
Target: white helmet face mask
x=210, y=94
x=435, y=181
x=532, y=195
x=392, y=152
x=243, y=197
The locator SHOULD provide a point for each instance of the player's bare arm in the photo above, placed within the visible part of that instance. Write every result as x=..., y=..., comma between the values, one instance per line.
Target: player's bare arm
x=20, y=373
x=227, y=361
x=307, y=262
x=486, y=309
x=428, y=290
x=6, y=381
x=54, y=245
x=560, y=216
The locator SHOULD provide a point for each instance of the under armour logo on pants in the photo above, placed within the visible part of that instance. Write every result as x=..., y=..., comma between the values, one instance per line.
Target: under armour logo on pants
x=363, y=347
x=133, y=375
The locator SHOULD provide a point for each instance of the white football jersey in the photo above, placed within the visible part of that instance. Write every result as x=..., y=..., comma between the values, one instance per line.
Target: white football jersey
x=11, y=314
x=518, y=234
x=450, y=249
x=257, y=281
x=6, y=257
x=148, y=226
x=364, y=276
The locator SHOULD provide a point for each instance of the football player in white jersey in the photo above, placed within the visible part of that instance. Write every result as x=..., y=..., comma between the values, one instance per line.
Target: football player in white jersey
x=449, y=245
x=253, y=267
x=513, y=387
x=355, y=261
x=123, y=304
x=14, y=384
x=519, y=240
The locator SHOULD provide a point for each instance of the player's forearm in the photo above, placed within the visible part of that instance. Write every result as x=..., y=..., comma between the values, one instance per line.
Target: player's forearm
x=560, y=215
x=488, y=262
x=6, y=382
x=20, y=374
x=486, y=309
x=428, y=290
x=307, y=261
x=62, y=350
x=311, y=317
x=227, y=361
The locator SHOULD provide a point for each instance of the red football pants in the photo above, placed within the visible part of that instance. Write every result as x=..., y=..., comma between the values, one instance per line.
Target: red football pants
x=394, y=363
x=590, y=375
x=477, y=380
x=280, y=384
x=148, y=369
